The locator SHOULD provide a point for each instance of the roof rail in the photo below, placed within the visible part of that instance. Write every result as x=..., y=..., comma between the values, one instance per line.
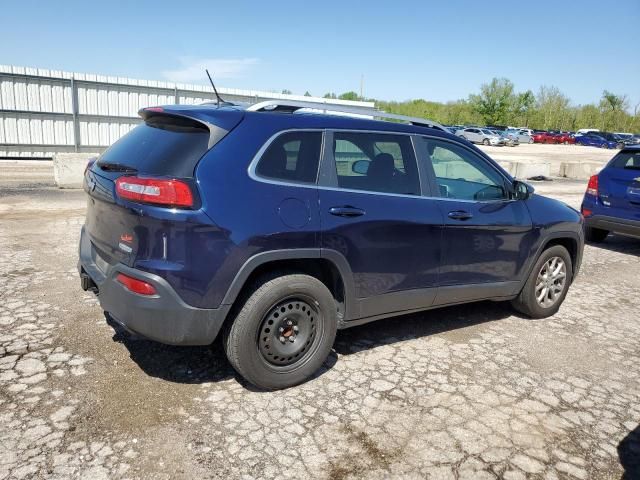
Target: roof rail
x=291, y=106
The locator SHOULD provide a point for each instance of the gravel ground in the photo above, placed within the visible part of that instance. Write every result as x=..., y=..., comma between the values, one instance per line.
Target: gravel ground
x=464, y=392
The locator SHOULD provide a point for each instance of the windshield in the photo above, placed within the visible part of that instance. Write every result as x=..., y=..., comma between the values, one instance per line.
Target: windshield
x=488, y=132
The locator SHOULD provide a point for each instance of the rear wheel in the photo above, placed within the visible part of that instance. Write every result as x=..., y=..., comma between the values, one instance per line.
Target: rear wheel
x=283, y=332
x=595, y=235
x=547, y=285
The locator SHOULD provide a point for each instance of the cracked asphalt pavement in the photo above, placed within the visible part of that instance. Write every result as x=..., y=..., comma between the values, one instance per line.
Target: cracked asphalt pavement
x=464, y=392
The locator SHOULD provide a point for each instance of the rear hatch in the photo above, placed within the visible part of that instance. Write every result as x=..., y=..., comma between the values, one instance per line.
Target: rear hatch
x=166, y=147
x=619, y=184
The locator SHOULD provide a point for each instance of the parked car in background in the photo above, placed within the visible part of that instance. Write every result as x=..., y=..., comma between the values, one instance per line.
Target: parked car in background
x=527, y=131
x=612, y=200
x=565, y=138
x=480, y=135
x=359, y=220
x=509, y=139
x=621, y=140
x=545, y=137
x=522, y=135
x=584, y=131
x=595, y=139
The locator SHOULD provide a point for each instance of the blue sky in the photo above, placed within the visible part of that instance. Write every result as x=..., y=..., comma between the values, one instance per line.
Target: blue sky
x=434, y=50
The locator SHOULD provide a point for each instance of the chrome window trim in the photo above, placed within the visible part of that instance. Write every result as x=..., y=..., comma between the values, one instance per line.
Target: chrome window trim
x=251, y=170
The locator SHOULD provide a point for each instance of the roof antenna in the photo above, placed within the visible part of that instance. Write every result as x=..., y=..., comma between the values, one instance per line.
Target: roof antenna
x=218, y=98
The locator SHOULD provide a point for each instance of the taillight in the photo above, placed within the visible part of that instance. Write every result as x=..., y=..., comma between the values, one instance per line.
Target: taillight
x=586, y=212
x=592, y=186
x=136, y=286
x=171, y=192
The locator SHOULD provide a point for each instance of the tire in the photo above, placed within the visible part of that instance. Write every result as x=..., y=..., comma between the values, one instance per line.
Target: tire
x=527, y=303
x=531, y=140
x=604, y=145
x=620, y=146
x=258, y=342
x=595, y=235
x=486, y=142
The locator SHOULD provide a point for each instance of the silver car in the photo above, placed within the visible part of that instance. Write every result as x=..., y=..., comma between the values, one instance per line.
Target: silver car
x=522, y=135
x=480, y=135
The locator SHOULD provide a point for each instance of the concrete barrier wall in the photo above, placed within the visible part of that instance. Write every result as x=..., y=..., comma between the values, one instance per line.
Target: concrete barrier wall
x=579, y=170
x=68, y=168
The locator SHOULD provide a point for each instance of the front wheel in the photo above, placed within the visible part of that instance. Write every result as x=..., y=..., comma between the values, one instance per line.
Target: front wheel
x=283, y=332
x=547, y=285
x=486, y=142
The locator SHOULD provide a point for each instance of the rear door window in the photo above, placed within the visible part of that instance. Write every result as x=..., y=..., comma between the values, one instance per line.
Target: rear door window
x=292, y=157
x=376, y=162
x=162, y=145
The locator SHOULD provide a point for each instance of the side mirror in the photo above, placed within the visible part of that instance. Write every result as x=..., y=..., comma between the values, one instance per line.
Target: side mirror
x=361, y=167
x=522, y=190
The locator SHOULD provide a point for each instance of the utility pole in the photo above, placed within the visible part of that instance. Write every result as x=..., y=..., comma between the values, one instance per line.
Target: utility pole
x=361, y=86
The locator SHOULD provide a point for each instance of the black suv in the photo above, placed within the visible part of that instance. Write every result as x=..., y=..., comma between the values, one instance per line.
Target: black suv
x=277, y=225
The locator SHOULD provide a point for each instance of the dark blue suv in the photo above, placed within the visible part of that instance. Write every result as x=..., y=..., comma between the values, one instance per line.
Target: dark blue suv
x=276, y=225
x=612, y=200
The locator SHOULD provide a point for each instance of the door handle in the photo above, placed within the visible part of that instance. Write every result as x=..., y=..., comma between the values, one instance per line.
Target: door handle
x=460, y=215
x=346, y=211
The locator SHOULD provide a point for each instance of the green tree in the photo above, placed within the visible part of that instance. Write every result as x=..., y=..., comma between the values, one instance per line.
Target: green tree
x=613, y=110
x=286, y=92
x=351, y=95
x=329, y=95
x=307, y=94
x=524, y=103
x=495, y=101
x=553, y=108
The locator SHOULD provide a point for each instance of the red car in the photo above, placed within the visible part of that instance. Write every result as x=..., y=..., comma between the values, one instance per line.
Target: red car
x=566, y=138
x=544, y=137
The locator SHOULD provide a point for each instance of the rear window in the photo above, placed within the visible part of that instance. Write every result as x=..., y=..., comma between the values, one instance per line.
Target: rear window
x=163, y=145
x=628, y=160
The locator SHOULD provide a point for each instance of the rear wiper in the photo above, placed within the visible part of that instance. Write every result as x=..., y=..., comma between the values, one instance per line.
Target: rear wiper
x=116, y=167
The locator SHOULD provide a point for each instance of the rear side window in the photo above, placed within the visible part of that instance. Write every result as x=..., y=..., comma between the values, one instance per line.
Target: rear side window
x=292, y=157
x=628, y=160
x=163, y=145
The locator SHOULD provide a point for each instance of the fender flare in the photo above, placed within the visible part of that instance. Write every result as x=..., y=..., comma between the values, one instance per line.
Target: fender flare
x=544, y=241
x=336, y=258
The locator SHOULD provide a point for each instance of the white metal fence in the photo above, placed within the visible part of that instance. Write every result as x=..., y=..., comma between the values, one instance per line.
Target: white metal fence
x=47, y=111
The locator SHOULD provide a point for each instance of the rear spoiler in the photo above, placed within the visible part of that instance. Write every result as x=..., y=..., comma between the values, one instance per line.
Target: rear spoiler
x=216, y=132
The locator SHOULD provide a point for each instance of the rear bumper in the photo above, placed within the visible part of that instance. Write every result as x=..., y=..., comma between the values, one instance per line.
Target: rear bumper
x=163, y=317
x=614, y=224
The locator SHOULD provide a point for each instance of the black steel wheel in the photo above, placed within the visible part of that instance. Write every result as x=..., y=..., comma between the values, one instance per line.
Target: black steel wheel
x=283, y=330
x=288, y=331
